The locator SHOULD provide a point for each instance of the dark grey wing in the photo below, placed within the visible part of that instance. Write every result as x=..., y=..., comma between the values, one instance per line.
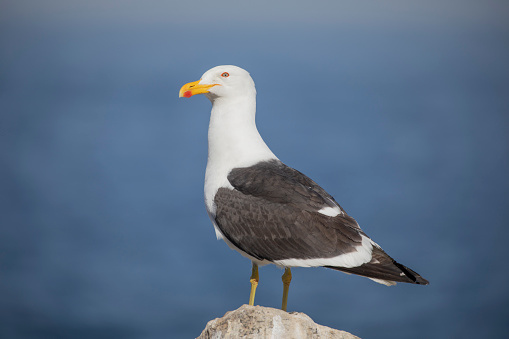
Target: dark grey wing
x=272, y=213
x=383, y=267
x=276, y=182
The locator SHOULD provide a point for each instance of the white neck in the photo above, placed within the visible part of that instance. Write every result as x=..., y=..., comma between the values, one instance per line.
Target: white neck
x=234, y=141
x=233, y=136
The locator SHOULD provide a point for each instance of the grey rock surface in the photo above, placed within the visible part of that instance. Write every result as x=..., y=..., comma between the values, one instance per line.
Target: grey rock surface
x=265, y=322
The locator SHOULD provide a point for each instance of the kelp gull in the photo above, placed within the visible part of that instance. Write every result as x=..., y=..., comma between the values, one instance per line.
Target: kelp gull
x=269, y=212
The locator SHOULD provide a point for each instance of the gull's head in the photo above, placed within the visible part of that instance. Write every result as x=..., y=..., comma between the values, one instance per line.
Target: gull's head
x=221, y=82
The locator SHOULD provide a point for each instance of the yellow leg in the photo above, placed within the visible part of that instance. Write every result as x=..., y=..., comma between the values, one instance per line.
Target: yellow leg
x=287, y=277
x=254, y=283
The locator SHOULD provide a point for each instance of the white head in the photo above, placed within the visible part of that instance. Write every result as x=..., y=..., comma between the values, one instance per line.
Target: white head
x=234, y=140
x=221, y=82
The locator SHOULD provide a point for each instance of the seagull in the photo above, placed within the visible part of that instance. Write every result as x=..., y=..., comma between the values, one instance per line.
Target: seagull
x=268, y=211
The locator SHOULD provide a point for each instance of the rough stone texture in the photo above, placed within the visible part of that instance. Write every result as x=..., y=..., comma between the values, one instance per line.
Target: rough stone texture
x=265, y=322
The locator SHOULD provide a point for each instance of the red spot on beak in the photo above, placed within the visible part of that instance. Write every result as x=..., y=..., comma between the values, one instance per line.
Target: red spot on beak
x=188, y=94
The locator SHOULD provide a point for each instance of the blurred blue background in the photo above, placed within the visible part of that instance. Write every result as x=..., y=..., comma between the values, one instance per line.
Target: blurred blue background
x=400, y=109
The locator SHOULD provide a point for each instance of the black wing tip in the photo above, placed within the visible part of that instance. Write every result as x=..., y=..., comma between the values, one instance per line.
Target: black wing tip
x=418, y=280
x=424, y=283
x=393, y=272
x=421, y=281
x=412, y=275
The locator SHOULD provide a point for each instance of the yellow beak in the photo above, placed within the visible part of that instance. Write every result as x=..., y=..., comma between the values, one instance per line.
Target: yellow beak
x=192, y=88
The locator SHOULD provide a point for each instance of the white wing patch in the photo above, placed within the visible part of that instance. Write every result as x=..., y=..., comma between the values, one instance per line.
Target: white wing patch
x=352, y=259
x=330, y=211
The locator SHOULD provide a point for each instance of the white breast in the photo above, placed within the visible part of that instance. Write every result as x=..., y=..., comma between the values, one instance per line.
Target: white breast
x=234, y=142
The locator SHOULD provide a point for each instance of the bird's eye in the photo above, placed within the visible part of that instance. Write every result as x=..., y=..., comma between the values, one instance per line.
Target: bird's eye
x=225, y=75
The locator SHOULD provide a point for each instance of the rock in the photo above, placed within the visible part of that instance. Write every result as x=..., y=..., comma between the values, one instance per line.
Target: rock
x=265, y=322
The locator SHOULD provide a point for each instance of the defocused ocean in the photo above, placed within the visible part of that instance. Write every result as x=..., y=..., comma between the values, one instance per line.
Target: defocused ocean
x=399, y=110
